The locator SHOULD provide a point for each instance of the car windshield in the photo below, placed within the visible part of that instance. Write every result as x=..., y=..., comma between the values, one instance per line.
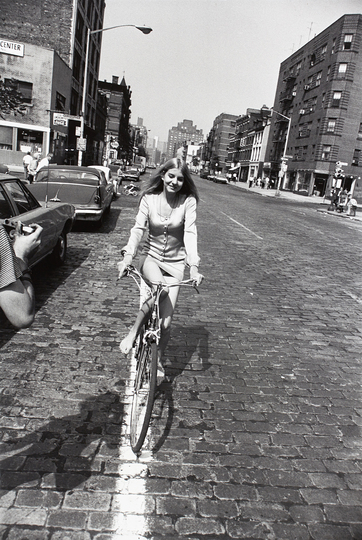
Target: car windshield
x=68, y=177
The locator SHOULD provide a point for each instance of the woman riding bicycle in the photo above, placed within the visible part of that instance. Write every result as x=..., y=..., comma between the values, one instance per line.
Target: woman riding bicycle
x=167, y=209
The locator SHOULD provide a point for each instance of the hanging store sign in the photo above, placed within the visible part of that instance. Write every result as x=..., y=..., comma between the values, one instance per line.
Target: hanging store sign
x=12, y=48
x=59, y=119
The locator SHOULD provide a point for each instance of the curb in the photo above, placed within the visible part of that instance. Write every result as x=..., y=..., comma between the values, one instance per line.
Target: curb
x=338, y=214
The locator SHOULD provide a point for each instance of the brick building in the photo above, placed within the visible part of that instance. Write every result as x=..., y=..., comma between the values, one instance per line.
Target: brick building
x=57, y=29
x=246, y=153
x=218, y=141
x=118, y=139
x=182, y=133
x=318, y=112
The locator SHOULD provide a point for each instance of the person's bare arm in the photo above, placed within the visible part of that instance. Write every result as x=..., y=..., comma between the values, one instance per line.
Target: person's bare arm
x=17, y=299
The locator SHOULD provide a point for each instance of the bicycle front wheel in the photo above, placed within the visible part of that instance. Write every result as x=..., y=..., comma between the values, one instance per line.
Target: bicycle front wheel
x=143, y=394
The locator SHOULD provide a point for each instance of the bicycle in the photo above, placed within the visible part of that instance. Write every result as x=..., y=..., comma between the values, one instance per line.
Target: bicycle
x=131, y=189
x=145, y=354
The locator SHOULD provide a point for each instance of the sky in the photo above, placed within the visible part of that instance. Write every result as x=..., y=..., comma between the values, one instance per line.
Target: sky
x=207, y=57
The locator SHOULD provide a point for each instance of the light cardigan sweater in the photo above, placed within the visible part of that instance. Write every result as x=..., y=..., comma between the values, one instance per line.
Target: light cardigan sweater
x=172, y=239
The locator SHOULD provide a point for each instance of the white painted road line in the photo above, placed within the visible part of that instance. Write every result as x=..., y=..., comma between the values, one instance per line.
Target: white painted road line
x=243, y=226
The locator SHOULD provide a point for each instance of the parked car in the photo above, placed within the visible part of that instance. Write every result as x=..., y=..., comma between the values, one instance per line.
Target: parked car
x=113, y=179
x=132, y=174
x=56, y=218
x=203, y=173
x=220, y=179
x=84, y=187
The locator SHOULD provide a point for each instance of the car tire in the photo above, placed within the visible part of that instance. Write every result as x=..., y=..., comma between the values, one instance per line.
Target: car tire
x=60, y=251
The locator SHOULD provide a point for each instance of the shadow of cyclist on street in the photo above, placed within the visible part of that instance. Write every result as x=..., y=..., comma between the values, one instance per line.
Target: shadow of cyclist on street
x=64, y=452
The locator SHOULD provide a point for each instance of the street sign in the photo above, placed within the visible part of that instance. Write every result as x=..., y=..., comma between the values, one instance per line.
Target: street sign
x=82, y=144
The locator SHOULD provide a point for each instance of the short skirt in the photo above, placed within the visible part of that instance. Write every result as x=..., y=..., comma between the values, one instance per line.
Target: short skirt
x=174, y=269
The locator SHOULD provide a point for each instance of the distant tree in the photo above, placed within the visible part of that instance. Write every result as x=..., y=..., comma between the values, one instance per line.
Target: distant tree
x=11, y=100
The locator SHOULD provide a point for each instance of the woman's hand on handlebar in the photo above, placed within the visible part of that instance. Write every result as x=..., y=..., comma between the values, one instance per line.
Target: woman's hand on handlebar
x=196, y=276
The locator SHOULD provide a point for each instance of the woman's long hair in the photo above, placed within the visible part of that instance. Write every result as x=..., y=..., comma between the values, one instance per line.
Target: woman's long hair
x=155, y=183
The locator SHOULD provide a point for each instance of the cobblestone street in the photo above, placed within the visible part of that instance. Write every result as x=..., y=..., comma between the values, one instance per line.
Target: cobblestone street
x=258, y=432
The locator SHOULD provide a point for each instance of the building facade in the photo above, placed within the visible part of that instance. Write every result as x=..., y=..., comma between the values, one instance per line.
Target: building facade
x=117, y=134
x=41, y=128
x=61, y=29
x=247, y=147
x=317, y=120
x=182, y=133
x=218, y=142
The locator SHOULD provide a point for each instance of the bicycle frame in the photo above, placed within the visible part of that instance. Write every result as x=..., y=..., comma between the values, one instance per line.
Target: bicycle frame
x=153, y=333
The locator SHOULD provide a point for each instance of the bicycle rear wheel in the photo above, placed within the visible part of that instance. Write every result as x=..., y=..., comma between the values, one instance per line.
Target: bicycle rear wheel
x=143, y=393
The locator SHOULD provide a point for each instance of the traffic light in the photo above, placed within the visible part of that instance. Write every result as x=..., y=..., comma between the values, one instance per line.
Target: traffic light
x=338, y=173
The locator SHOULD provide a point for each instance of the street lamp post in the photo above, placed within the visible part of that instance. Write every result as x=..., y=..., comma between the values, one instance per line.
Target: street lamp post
x=143, y=29
x=284, y=156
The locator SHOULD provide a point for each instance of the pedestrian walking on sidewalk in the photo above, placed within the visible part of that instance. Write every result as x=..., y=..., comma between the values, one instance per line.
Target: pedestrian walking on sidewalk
x=32, y=168
x=167, y=210
x=351, y=205
x=26, y=162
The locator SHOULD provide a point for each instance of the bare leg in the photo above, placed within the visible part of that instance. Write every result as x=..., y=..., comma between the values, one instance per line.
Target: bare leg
x=167, y=308
x=151, y=271
x=127, y=342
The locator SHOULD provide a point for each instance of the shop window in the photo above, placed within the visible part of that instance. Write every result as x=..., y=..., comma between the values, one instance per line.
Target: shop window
x=326, y=152
x=29, y=140
x=347, y=43
x=336, y=99
x=6, y=138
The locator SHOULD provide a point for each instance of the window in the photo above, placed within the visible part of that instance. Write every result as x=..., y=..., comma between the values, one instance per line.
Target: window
x=24, y=88
x=347, y=44
x=333, y=46
x=23, y=202
x=76, y=66
x=6, y=138
x=331, y=125
x=326, y=151
x=323, y=51
x=342, y=69
x=79, y=28
x=336, y=100
x=59, y=102
x=318, y=78
x=328, y=73
x=360, y=129
x=5, y=208
x=356, y=160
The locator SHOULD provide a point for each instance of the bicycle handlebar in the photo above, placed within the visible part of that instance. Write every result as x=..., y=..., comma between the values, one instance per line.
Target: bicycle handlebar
x=133, y=272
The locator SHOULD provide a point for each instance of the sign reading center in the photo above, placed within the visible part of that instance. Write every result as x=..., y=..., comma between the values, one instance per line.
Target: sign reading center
x=10, y=47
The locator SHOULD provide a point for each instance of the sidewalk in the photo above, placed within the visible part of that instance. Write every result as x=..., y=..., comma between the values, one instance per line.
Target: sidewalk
x=290, y=196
